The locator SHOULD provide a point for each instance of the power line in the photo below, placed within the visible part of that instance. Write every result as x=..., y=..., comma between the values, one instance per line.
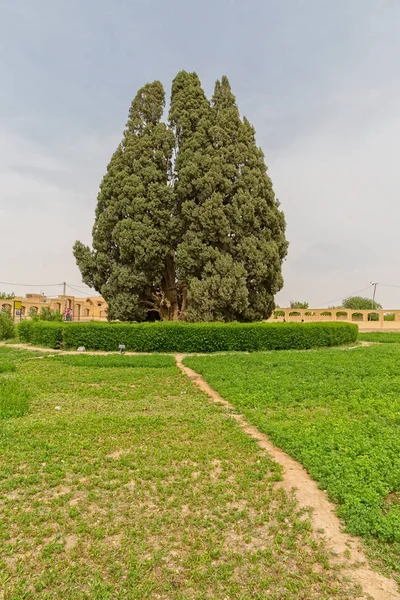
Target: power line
x=42, y=285
x=74, y=289
x=81, y=286
x=30, y=285
x=345, y=297
x=71, y=287
x=374, y=283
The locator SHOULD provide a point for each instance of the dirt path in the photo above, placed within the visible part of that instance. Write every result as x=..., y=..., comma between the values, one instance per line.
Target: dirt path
x=28, y=347
x=346, y=548
x=59, y=351
x=129, y=353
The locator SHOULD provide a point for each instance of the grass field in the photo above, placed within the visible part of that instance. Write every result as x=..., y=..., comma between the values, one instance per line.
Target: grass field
x=14, y=394
x=338, y=413
x=122, y=481
x=383, y=337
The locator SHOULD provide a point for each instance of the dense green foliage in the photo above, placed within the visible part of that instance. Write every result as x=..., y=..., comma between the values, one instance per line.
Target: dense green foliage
x=134, y=228
x=187, y=225
x=188, y=337
x=41, y=333
x=7, y=327
x=7, y=295
x=337, y=412
x=297, y=304
x=360, y=303
x=389, y=317
x=137, y=487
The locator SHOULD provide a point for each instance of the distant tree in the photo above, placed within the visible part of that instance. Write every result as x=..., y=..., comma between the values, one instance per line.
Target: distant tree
x=389, y=317
x=47, y=314
x=295, y=304
x=7, y=295
x=360, y=303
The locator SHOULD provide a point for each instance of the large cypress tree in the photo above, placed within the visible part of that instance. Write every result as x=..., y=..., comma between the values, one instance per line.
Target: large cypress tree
x=234, y=239
x=204, y=241
x=257, y=225
x=131, y=263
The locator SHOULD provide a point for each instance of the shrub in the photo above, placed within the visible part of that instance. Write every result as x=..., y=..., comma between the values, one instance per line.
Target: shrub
x=189, y=337
x=296, y=304
x=24, y=331
x=7, y=327
x=373, y=317
x=47, y=314
x=41, y=333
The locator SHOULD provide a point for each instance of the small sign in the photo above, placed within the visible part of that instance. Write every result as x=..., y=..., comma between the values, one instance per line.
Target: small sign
x=17, y=304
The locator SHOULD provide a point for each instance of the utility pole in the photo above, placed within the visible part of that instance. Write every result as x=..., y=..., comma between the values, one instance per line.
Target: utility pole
x=63, y=300
x=373, y=295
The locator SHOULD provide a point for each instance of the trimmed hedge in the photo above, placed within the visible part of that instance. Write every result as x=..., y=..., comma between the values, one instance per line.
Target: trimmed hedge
x=41, y=333
x=188, y=337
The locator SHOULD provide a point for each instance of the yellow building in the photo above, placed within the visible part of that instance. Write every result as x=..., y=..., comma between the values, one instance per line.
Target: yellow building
x=91, y=308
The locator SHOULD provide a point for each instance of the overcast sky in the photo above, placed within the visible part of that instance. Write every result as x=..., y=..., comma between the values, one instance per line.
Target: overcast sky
x=320, y=81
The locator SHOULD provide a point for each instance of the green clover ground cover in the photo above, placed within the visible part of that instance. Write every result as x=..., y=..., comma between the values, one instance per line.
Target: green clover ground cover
x=383, y=337
x=14, y=395
x=127, y=483
x=338, y=413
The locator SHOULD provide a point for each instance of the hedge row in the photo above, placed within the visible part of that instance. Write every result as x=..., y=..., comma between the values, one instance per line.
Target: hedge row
x=42, y=333
x=187, y=337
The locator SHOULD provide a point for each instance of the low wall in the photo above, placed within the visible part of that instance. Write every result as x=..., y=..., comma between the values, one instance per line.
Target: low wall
x=366, y=320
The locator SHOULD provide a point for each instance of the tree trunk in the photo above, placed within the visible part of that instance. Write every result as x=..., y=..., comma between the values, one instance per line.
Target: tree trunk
x=182, y=314
x=169, y=309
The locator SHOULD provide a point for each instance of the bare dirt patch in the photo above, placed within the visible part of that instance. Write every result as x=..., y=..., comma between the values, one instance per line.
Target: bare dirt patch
x=77, y=498
x=113, y=541
x=117, y=454
x=70, y=542
x=29, y=347
x=345, y=549
x=391, y=500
